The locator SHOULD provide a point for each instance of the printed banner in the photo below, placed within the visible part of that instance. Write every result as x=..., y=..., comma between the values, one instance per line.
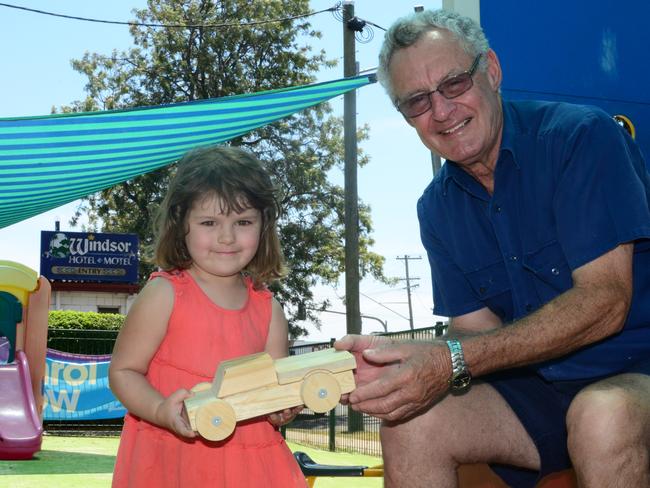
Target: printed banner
x=76, y=388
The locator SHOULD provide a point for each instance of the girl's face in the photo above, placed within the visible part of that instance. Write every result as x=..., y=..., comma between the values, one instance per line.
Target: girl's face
x=221, y=244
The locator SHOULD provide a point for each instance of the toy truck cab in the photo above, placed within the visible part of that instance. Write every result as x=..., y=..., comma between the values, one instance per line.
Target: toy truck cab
x=254, y=385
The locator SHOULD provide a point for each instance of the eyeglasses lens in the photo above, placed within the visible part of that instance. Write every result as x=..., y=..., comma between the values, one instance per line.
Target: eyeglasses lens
x=451, y=88
x=456, y=86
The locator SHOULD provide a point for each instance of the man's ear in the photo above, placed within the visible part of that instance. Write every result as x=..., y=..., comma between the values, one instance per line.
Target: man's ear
x=494, y=74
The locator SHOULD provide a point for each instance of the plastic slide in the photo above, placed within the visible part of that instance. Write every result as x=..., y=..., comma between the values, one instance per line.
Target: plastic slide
x=20, y=425
x=24, y=303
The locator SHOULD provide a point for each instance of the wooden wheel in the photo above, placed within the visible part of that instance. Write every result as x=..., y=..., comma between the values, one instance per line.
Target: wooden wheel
x=320, y=392
x=216, y=420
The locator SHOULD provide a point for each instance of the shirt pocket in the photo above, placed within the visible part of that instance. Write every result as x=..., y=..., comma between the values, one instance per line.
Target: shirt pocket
x=550, y=270
x=492, y=288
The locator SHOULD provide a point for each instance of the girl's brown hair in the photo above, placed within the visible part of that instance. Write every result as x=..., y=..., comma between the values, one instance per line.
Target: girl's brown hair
x=238, y=179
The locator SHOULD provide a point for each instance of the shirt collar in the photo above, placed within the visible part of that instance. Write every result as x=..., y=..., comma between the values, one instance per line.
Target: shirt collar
x=509, y=133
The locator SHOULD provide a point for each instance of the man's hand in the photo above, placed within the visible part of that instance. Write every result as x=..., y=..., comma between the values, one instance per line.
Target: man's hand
x=396, y=380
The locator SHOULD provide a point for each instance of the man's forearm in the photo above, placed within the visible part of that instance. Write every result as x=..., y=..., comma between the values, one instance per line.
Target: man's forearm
x=572, y=320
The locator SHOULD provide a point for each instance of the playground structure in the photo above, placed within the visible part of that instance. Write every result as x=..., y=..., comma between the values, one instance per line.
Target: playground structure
x=254, y=385
x=24, y=305
x=469, y=475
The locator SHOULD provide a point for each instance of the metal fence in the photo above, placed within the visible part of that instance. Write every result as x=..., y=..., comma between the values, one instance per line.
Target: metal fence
x=97, y=342
x=341, y=429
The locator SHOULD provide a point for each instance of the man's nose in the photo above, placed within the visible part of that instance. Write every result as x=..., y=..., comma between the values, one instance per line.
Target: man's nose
x=441, y=107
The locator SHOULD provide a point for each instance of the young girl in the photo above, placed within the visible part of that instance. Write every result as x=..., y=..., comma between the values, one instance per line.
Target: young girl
x=218, y=246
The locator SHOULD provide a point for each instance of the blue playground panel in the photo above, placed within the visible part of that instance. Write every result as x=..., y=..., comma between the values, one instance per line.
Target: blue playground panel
x=578, y=51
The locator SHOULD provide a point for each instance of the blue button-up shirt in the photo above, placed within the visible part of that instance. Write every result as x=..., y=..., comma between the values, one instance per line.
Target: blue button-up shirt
x=569, y=185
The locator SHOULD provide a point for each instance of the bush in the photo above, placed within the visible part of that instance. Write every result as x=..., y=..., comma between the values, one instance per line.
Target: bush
x=70, y=319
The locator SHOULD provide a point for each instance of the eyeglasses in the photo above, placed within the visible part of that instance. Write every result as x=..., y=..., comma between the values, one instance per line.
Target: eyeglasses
x=450, y=88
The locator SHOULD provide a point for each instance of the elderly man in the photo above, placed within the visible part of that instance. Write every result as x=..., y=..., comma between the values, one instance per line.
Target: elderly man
x=537, y=231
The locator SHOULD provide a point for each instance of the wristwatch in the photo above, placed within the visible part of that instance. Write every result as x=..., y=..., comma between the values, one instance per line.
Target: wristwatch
x=460, y=375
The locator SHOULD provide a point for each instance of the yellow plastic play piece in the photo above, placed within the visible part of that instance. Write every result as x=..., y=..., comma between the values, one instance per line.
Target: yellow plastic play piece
x=18, y=279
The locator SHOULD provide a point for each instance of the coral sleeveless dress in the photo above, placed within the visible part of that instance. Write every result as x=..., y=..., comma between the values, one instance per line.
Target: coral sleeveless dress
x=200, y=334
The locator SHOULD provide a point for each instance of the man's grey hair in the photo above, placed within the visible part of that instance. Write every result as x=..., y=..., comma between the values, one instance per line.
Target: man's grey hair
x=407, y=30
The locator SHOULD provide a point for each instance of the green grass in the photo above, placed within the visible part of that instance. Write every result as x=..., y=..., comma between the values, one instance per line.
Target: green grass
x=87, y=462
x=65, y=462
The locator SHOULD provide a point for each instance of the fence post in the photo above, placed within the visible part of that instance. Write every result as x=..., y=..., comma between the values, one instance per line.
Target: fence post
x=332, y=429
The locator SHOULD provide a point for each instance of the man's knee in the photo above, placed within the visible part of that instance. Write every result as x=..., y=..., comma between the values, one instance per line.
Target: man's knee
x=433, y=433
x=415, y=431
x=605, y=420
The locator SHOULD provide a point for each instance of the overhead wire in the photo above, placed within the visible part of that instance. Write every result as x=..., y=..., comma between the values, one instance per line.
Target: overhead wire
x=371, y=299
x=363, y=31
x=173, y=26
x=361, y=27
x=382, y=305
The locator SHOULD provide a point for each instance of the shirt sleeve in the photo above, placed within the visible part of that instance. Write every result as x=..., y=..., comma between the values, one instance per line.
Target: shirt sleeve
x=454, y=296
x=602, y=198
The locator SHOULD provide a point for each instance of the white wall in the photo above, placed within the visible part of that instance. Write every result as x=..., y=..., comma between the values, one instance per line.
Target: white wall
x=88, y=301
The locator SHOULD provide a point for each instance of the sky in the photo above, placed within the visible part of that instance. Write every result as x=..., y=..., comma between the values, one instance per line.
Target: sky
x=37, y=75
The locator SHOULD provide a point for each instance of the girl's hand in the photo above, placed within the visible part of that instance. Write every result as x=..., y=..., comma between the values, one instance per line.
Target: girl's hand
x=170, y=414
x=285, y=416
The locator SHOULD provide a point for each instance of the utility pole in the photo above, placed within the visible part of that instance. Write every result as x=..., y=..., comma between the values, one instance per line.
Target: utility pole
x=408, y=284
x=352, y=306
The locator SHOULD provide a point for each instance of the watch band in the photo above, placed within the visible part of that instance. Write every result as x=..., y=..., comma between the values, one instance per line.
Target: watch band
x=460, y=377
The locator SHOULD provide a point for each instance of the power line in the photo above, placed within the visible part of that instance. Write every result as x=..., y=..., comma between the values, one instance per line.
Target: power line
x=422, y=303
x=384, y=323
x=174, y=26
x=382, y=305
x=362, y=28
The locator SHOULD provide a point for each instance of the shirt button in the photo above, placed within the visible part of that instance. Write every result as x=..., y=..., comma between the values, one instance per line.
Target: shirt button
x=481, y=290
x=555, y=271
x=497, y=208
x=513, y=258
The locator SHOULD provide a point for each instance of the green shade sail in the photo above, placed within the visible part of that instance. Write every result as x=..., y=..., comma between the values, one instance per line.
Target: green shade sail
x=52, y=160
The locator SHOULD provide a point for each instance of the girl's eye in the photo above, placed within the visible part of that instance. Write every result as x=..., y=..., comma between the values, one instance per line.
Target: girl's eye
x=244, y=222
x=208, y=223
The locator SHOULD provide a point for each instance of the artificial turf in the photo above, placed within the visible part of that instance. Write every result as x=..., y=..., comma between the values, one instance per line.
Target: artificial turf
x=87, y=462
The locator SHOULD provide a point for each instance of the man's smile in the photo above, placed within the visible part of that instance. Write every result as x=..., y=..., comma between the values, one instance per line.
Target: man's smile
x=456, y=127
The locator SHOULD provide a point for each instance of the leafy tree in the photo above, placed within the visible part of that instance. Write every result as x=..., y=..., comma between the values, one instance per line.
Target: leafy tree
x=168, y=65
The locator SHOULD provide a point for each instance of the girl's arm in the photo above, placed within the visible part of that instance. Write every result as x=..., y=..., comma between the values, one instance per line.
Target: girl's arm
x=277, y=342
x=277, y=345
x=143, y=331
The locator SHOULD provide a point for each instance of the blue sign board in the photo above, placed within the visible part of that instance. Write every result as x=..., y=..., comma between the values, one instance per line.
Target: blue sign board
x=580, y=51
x=89, y=256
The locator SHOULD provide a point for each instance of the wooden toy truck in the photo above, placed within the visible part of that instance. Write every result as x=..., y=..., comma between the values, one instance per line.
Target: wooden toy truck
x=254, y=385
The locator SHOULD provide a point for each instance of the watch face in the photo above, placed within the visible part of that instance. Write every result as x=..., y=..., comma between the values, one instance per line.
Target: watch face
x=461, y=381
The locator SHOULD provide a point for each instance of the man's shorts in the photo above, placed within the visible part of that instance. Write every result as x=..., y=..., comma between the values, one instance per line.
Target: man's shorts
x=541, y=406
